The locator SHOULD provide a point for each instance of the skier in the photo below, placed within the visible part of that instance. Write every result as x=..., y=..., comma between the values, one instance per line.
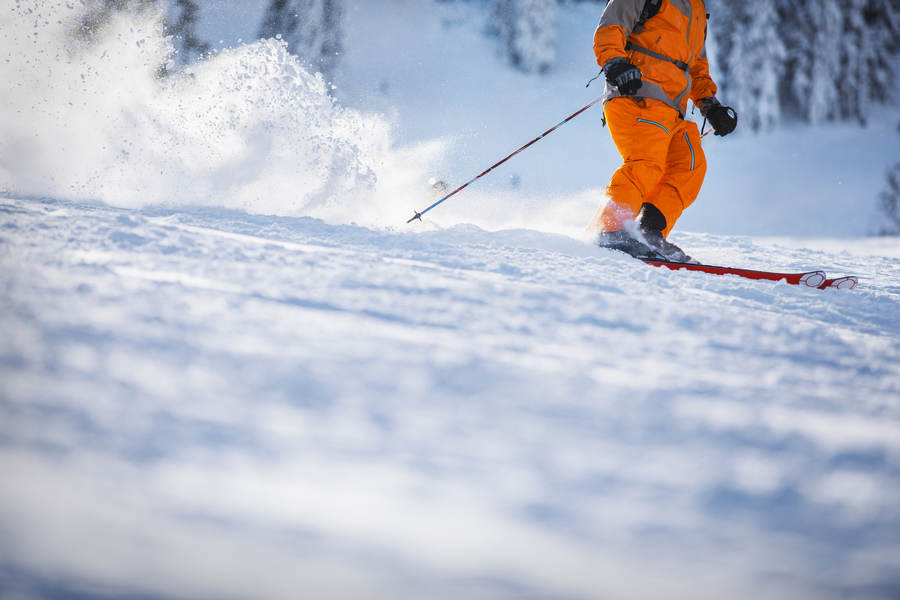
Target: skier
x=653, y=53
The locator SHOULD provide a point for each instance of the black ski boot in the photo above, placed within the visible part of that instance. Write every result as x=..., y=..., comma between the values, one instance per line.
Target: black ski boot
x=652, y=223
x=624, y=241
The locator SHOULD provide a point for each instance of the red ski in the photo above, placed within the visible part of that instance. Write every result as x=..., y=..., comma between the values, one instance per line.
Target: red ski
x=814, y=279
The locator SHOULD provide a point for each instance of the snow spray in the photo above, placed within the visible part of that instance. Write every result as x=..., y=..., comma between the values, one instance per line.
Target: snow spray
x=91, y=118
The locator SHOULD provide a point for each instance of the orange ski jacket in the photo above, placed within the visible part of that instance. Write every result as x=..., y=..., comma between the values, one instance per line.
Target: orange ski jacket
x=670, y=49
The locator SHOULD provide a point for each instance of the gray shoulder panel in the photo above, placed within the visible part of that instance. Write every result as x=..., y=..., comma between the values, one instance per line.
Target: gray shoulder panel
x=624, y=13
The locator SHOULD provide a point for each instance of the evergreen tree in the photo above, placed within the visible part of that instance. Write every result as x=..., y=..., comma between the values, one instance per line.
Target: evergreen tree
x=311, y=28
x=753, y=60
x=720, y=39
x=98, y=13
x=180, y=24
x=871, y=31
x=178, y=20
x=814, y=31
x=527, y=32
x=890, y=202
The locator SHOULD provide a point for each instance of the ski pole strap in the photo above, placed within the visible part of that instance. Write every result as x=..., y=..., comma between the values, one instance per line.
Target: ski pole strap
x=681, y=65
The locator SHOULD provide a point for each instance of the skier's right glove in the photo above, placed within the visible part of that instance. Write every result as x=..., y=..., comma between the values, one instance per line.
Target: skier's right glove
x=624, y=75
x=722, y=118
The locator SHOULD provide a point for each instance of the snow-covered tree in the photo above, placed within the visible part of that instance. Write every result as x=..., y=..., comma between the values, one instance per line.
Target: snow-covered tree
x=177, y=17
x=527, y=32
x=721, y=37
x=97, y=15
x=869, y=43
x=890, y=203
x=753, y=60
x=817, y=61
x=312, y=29
x=181, y=21
x=813, y=31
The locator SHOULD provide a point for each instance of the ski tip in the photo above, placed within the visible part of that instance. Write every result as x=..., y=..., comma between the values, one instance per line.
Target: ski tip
x=813, y=279
x=841, y=283
x=847, y=283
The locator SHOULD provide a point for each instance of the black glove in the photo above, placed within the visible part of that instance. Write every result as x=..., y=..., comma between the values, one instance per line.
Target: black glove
x=722, y=118
x=624, y=75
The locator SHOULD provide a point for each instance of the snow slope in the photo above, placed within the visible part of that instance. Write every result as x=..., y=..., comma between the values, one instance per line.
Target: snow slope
x=227, y=370
x=205, y=403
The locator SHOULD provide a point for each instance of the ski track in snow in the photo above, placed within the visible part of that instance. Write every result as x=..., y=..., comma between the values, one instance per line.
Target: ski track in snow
x=208, y=403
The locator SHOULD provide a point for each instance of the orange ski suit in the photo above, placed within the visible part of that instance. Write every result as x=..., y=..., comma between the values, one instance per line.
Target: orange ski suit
x=664, y=164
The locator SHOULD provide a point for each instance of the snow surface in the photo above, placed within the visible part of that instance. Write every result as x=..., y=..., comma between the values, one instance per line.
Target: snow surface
x=227, y=369
x=206, y=403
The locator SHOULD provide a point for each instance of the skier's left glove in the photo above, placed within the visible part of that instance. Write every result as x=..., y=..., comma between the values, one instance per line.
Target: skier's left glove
x=624, y=75
x=722, y=118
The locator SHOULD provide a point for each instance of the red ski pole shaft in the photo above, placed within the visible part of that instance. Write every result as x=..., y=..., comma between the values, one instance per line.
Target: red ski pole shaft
x=418, y=215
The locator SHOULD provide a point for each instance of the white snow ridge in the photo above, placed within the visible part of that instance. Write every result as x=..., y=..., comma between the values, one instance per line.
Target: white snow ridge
x=227, y=369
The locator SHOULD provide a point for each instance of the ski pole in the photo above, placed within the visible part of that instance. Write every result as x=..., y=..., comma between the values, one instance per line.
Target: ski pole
x=418, y=215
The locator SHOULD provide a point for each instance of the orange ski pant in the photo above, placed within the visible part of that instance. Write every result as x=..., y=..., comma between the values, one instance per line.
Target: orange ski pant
x=664, y=163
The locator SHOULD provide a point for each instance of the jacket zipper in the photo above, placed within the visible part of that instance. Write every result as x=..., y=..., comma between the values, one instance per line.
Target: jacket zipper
x=690, y=24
